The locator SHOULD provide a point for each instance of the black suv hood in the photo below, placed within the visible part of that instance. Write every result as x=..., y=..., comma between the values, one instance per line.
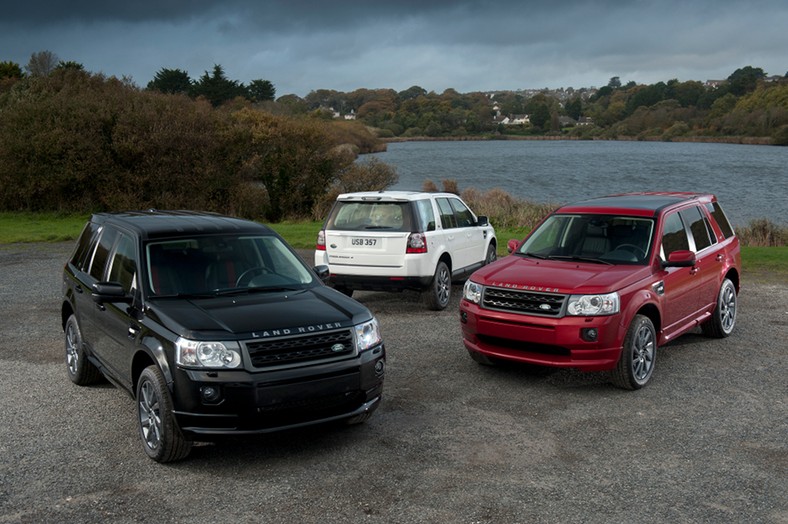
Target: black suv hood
x=258, y=314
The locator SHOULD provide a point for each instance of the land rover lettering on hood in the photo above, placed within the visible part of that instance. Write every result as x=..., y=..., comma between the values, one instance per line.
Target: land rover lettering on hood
x=214, y=326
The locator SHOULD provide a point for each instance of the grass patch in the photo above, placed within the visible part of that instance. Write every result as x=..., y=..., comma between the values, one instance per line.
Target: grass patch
x=39, y=227
x=760, y=264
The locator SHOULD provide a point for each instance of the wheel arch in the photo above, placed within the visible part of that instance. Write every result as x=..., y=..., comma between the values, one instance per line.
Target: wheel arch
x=151, y=352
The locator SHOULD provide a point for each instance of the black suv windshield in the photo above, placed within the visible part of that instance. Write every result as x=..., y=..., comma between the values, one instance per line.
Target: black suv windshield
x=207, y=265
x=607, y=239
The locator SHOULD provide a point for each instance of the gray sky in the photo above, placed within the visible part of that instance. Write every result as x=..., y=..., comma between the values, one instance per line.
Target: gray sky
x=467, y=45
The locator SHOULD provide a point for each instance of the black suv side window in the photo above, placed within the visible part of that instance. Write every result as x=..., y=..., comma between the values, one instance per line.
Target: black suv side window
x=108, y=236
x=81, y=257
x=448, y=220
x=674, y=236
x=462, y=213
x=123, y=266
x=698, y=227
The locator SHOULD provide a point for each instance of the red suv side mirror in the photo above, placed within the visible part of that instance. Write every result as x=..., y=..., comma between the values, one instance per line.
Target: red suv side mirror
x=512, y=245
x=680, y=258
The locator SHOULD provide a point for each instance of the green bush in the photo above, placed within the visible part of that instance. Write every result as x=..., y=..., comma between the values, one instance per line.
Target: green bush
x=79, y=143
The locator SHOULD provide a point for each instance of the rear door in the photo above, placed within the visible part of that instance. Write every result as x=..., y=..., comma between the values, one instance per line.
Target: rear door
x=710, y=257
x=363, y=234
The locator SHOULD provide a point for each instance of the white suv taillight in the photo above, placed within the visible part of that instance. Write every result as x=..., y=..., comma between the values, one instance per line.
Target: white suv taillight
x=321, y=240
x=417, y=243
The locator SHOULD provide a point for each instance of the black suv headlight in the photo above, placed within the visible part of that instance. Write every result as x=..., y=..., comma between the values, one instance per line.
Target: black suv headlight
x=202, y=354
x=367, y=335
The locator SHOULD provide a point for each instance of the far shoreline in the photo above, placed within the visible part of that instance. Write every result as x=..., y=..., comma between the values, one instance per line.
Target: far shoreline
x=741, y=140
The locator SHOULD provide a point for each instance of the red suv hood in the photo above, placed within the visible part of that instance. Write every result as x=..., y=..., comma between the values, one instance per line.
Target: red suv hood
x=558, y=276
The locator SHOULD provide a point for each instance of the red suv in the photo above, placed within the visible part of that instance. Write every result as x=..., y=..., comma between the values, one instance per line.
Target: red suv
x=599, y=284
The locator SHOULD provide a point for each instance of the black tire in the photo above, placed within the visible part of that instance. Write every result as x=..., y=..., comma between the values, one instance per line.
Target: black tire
x=80, y=370
x=723, y=318
x=344, y=290
x=161, y=437
x=492, y=254
x=481, y=358
x=638, y=356
x=437, y=296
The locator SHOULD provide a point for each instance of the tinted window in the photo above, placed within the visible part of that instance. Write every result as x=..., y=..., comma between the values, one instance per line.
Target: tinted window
x=448, y=220
x=206, y=264
x=719, y=217
x=123, y=267
x=87, y=240
x=108, y=236
x=426, y=215
x=698, y=227
x=674, y=237
x=462, y=213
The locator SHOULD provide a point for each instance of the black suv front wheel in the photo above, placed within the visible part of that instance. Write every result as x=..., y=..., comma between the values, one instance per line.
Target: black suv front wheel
x=161, y=437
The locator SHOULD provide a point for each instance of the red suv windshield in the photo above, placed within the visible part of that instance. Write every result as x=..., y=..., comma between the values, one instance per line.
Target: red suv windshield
x=609, y=239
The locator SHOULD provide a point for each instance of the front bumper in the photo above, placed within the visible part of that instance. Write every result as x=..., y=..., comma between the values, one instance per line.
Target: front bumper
x=546, y=341
x=264, y=402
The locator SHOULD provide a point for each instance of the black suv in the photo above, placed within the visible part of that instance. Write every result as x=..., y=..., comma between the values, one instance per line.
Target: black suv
x=215, y=326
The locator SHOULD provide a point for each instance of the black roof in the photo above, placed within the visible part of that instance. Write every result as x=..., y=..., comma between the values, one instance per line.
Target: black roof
x=639, y=201
x=165, y=224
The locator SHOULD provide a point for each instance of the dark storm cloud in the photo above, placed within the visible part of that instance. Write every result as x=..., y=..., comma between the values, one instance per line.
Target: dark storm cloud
x=466, y=45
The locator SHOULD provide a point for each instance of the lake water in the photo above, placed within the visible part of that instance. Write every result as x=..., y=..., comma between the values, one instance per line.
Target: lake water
x=750, y=181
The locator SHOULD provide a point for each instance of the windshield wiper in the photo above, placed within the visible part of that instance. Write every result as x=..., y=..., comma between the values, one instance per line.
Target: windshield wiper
x=575, y=258
x=533, y=255
x=257, y=289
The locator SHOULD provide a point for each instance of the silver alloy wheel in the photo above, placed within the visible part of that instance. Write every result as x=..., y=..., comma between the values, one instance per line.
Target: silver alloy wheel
x=643, y=348
x=443, y=285
x=72, y=349
x=150, y=416
x=727, y=307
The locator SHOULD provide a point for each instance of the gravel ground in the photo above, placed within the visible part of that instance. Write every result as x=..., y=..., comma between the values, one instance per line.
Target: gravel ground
x=706, y=441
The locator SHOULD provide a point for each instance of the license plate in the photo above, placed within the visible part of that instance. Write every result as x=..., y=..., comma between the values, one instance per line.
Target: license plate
x=364, y=242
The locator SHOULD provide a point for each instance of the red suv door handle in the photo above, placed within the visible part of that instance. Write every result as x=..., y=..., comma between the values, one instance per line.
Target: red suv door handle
x=720, y=257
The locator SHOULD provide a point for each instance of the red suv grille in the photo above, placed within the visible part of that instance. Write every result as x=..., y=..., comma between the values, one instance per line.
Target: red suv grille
x=532, y=303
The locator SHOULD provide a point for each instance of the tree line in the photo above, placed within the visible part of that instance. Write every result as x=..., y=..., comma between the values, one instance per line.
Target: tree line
x=73, y=141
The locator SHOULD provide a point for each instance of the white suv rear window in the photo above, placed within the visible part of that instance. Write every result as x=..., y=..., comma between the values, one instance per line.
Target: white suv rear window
x=366, y=216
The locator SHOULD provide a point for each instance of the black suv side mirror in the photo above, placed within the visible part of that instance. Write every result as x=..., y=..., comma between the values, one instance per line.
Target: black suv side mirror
x=482, y=221
x=322, y=273
x=109, y=292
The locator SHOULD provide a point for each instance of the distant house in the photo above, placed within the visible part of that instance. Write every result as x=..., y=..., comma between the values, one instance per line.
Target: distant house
x=519, y=120
x=566, y=121
x=715, y=83
x=351, y=115
x=585, y=121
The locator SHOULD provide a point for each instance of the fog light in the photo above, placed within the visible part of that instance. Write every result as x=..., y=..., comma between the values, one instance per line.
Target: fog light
x=209, y=393
x=380, y=367
x=589, y=334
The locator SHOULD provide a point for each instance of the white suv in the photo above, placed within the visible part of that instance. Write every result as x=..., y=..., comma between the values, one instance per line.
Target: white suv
x=395, y=240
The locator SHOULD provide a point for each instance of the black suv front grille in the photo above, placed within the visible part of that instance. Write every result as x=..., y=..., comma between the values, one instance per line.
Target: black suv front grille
x=294, y=350
x=528, y=302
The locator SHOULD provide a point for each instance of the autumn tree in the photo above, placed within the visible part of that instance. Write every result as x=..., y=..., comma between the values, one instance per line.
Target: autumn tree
x=41, y=63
